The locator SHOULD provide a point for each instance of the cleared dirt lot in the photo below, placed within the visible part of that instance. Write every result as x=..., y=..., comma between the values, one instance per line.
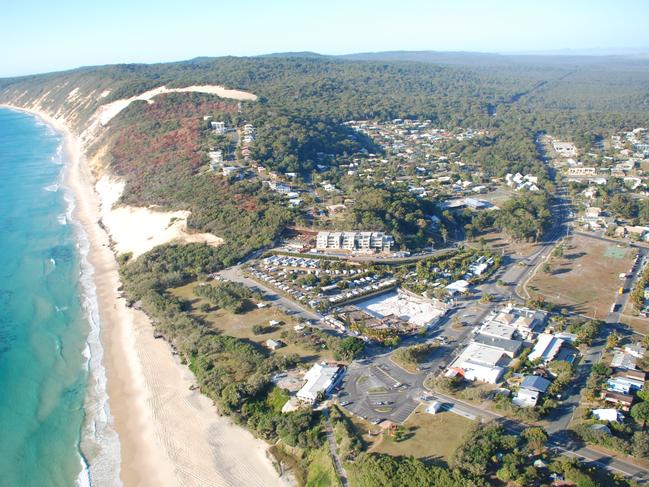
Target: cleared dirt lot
x=586, y=278
x=501, y=243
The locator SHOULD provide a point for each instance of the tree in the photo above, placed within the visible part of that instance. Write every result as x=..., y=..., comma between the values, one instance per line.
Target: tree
x=640, y=412
x=536, y=438
x=546, y=268
x=486, y=298
x=612, y=341
x=644, y=392
x=443, y=231
x=641, y=444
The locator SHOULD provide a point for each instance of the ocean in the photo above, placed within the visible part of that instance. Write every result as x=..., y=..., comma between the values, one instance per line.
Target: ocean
x=55, y=426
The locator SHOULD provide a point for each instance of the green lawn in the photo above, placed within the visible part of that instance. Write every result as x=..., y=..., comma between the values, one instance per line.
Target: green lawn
x=321, y=470
x=431, y=436
x=240, y=325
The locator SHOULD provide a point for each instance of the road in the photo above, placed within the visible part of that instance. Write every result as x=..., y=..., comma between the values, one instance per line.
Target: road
x=561, y=442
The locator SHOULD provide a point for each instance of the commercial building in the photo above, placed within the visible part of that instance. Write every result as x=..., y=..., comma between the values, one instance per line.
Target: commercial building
x=513, y=320
x=481, y=363
x=354, y=241
x=506, y=345
x=320, y=380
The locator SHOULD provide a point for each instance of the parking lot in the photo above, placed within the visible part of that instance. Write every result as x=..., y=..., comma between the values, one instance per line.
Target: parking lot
x=381, y=391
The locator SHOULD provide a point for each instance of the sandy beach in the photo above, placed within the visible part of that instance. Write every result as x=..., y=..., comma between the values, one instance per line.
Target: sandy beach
x=169, y=435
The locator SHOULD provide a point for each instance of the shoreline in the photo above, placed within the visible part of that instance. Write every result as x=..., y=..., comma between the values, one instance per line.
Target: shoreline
x=168, y=434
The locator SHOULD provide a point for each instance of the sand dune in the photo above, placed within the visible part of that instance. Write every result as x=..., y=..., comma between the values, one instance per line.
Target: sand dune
x=137, y=229
x=108, y=111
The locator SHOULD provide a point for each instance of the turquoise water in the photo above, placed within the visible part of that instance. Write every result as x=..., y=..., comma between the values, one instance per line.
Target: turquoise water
x=43, y=325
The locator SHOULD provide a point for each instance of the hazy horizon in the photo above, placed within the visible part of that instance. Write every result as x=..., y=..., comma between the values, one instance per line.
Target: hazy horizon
x=45, y=37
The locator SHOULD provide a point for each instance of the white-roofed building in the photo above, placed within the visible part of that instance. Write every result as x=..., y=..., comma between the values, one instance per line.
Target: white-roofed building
x=623, y=360
x=608, y=414
x=364, y=241
x=546, y=348
x=480, y=362
x=498, y=329
x=526, y=398
x=460, y=286
x=320, y=379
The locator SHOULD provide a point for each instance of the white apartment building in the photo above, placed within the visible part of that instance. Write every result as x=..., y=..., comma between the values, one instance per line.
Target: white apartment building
x=354, y=241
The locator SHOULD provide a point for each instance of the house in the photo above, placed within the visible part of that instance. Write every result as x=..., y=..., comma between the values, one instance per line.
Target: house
x=535, y=383
x=623, y=360
x=625, y=385
x=476, y=204
x=526, y=398
x=320, y=380
x=230, y=170
x=636, y=350
x=565, y=149
x=592, y=214
x=624, y=401
x=609, y=414
x=218, y=127
x=632, y=374
x=274, y=344
x=531, y=389
x=567, y=337
x=546, y=348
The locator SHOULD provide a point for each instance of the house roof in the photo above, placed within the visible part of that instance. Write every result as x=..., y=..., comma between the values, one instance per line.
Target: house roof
x=618, y=396
x=535, y=383
x=623, y=360
x=546, y=347
x=608, y=414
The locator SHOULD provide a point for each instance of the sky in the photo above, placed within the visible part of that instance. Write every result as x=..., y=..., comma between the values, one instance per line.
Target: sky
x=44, y=35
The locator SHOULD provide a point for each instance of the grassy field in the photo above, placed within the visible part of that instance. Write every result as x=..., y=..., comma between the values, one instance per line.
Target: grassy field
x=424, y=429
x=630, y=317
x=500, y=243
x=321, y=470
x=240, y=325
x=585, y=280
